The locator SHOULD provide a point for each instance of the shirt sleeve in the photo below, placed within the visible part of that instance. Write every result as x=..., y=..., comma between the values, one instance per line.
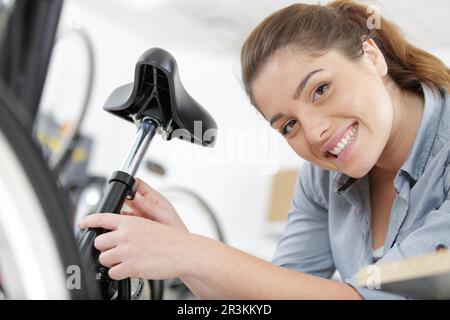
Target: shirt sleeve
x=433, y=232
x=305, y=244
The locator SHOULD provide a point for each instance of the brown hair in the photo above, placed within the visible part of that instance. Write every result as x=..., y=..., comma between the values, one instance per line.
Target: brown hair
x=342, y=25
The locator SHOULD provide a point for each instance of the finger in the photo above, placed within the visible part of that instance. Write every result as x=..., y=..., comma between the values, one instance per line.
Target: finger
x=149, y=202
x=131, y=204
x=148, y=206
x=141, y=207
x=133, y=213
x=131, y=209
x=127, y=213
x=118, y=272
x=144, y=188
x=106, y=241
x=109, y=258
x=108, y=221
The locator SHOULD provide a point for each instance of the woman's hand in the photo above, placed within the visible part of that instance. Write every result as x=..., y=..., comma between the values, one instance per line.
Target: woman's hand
x=150, y=204
x=140, y=248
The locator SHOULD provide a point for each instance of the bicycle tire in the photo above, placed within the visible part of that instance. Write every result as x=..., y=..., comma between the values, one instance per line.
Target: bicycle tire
x=43, y=222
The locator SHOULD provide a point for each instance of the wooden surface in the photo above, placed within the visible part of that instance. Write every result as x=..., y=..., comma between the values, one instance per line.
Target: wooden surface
x=422, y=277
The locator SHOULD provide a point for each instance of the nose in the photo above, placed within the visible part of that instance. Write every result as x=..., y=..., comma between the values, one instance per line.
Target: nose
x=315, y=129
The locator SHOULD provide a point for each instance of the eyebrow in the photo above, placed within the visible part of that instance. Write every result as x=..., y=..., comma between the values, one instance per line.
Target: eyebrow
x=276, y=117
x=303, y=83
x=296, y=95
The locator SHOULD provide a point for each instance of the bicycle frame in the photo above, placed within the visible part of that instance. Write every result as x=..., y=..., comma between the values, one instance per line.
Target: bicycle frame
x=29, y=37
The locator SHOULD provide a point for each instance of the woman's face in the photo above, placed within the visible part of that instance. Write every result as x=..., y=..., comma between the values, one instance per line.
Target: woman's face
x=333, y=111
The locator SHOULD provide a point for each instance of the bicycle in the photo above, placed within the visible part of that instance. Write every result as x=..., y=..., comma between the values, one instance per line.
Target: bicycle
x=37, y=251
x=42, y=238
x=155, y=101
x=64, y=151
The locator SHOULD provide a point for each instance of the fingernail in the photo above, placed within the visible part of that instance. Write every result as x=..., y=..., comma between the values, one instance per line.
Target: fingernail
x=137, y=181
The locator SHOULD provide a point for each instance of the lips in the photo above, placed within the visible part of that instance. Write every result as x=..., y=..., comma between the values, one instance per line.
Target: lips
x=331, y=143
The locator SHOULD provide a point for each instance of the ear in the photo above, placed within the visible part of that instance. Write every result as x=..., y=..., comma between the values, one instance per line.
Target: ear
x=375, y=57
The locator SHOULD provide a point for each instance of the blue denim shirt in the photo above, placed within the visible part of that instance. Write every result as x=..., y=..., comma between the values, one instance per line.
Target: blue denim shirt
x=329, y=230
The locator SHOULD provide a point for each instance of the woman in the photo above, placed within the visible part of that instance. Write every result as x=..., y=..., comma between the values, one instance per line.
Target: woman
x=369, y=113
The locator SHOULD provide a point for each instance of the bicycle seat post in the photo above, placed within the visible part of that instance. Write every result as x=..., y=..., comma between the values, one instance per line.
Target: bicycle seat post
x=146, y=130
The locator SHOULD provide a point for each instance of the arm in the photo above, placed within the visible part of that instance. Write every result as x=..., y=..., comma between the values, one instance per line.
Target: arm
x=210, y=268
x=305, y=243
x=304, y=247
x=307, y=225
x=201, y=290
x=132, y=249
x=237, y=275
x=150, y=204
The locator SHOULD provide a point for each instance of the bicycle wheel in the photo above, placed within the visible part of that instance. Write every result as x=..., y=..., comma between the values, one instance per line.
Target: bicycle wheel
x=38, y=255
x=57, y=128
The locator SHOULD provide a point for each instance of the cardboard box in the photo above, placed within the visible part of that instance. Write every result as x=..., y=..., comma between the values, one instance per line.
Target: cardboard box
x=283, y=185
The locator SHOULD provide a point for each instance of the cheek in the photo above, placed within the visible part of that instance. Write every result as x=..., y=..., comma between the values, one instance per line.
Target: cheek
x=376, y=115
x=301, y=147
x=379, y=115
x=369, y=103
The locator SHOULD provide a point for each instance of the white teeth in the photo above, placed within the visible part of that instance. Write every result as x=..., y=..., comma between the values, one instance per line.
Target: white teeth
x=344, y=141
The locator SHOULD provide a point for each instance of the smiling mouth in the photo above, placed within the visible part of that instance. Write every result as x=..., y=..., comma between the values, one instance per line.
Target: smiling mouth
x=343, y=143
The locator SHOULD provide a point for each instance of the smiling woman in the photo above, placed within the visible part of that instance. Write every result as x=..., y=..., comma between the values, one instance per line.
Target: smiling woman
x=369, y=113
x=300, y=65
x=356, y=103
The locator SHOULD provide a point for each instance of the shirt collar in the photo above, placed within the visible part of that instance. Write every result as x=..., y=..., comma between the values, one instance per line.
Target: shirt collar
x=426, y=134
x=420, y=151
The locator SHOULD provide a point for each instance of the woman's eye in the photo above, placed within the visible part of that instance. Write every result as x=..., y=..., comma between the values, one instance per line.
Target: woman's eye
x=320, y=91
x=288, y=127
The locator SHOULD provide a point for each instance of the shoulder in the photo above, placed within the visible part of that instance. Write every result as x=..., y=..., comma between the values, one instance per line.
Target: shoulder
x=439, y=158
x=437, y=169
x=440, y=153
x=444, y=125
x=314, y=182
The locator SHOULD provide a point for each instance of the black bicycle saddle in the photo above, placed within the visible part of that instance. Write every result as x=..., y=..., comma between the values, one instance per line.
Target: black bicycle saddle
x=157, y=92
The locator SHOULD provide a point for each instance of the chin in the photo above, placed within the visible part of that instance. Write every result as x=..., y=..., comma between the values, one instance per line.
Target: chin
x=360, y=170
x=357, y=175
